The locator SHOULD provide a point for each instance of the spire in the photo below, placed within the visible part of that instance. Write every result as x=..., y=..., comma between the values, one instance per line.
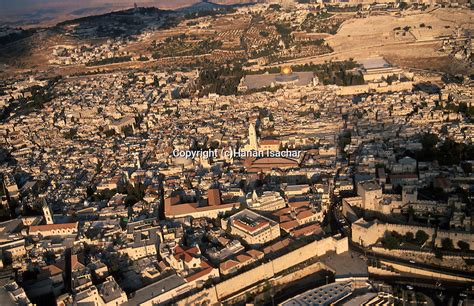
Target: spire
x=254, y=195
x=48, y=215
x=253, y=137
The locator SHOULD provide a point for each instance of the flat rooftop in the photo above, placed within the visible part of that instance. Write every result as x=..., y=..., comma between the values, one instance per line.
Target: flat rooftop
x=359, y=300
x=374, y=63
x=155, y=289
x=250, y=221
x=325, y=295
x=254, y=81
x=370, y=185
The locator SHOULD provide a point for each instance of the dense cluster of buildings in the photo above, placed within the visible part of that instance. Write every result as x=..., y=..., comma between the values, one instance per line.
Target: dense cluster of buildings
x=85, y=54
x=110, y=199
x=105, y=178
x=131, y=188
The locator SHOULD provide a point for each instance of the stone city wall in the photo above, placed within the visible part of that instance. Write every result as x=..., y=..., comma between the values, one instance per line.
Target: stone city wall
x=455, y=237
x=267, y=270
x=367, y=236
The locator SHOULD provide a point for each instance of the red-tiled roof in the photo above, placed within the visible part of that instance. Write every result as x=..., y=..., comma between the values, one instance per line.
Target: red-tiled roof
x=48, y=227
x=282, y=211
x=307, y=230
x=173, y=207
x=267, y=142
x=75, y=263
x=228, y=264
x=274, y=247
x=242, y=258
x=185, y=254
x=298, y=204
x=52, y=270
x=259, y=224
x=287, y=226
x=198, y=275
x=214, y=197
x=268, y=163
x=304, y=214
x=255, y=254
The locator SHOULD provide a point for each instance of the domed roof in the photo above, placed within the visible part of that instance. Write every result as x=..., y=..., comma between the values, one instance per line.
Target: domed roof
x=286, y=70
x=286, y=76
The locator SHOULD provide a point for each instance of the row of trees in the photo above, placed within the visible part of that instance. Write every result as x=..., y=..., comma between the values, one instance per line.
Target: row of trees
x=330, y=73
x=336, y=73
x=284, y=29
x=447, y=153
x=211, y=12
x=394, y=239
x=39, y=96
x=110, y=60
x=319, y=23
x=178, y=46
x=225, y=80
x=448, y=245
x=12, y=37
x=462, y=108
x=221, y=80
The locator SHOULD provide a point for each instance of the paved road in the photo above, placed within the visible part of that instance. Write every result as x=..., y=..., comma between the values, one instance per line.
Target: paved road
x=407, y=262
x=441, y=292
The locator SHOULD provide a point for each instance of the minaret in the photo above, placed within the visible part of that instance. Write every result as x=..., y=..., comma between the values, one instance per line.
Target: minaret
x=48, y=215
x=137, y=161
x=254, y=196
x=253, y=137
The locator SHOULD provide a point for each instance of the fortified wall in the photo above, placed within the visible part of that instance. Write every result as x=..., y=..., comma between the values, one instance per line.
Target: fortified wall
x=367, y=233
x=267, y=270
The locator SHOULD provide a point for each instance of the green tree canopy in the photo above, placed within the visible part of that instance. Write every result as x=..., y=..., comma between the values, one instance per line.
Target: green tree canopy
x=463, y=245
x=447, y=244
x=421, y=237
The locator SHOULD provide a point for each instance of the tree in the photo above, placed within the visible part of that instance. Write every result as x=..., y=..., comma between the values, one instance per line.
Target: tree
x=421, y=237
x=70, y=134
x=466, y=167
x=403, y=5
x=390, y=242
x=214, y=145
x=447, y=244
x=409, y=237
x=462, y=107
x=49, y=257
x=397, y=235
x=392, y=78
x=429, y=151
x=344, y=139
x=428, y=141
x=275, y=7
x=284, y=29
x=463, y=245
